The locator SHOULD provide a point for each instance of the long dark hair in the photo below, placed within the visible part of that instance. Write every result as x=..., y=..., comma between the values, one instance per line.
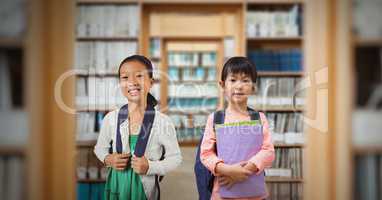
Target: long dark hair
x=149, y=67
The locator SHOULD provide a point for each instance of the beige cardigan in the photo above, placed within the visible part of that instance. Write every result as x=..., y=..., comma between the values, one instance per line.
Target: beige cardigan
x=162, y=135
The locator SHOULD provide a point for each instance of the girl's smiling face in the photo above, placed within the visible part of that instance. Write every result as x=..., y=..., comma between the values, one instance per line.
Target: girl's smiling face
x=135, y=81
x=238, y=87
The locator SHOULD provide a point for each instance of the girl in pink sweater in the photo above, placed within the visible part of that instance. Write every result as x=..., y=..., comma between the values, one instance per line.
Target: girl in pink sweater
x=238, y=81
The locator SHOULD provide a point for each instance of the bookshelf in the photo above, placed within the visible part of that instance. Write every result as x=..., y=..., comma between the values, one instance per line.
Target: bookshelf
x=188, y=58
x=13, y=101
x=365, y=58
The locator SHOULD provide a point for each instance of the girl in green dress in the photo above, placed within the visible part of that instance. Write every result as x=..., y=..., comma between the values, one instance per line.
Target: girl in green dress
x=132, y=177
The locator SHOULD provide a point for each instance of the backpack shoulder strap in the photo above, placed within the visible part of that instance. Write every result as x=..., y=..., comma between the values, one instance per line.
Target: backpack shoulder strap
x=254, y=114
x=122, y=116
x=219, y=117
x=144, y=133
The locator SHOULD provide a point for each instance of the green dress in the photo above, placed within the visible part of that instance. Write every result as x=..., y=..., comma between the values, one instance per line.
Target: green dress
x=125, y=184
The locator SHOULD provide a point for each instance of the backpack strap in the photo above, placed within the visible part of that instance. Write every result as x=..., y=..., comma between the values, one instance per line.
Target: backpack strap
x=253, y=114
x=219, y=117
x=122, y=116
x=143, y=137
x=145, y=131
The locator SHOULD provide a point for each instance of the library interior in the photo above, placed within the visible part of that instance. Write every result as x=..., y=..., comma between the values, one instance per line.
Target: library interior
x=319, y=85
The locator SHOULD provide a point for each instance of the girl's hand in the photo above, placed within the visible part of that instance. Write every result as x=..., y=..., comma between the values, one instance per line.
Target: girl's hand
x=117, y=161
x=251, y=167
x=226, y=181
x=140, y=165
x=236, y=172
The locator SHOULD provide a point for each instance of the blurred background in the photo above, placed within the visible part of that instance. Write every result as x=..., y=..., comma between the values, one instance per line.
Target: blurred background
x=319, y=83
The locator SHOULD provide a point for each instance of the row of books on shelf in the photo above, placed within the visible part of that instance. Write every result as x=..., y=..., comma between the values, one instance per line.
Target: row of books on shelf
x=192, y=105
x=155, y=48
x=14, y=18
x=277, y=60
x=192, y=59
x=90, y=191
x=366, y=17
x=89, y=124
x=287, y=163
x=192, y=74
x=368, y=179
x=274, y=23
x=278, y=91
x=278, y=191
x=189, y=134
x=5, y=83
x=103, y=92
x=88, y=166
x=102, y=57
x=108, y=21
x=192, y=90
x=286, y=127
x=12, y=176
x=184, y=120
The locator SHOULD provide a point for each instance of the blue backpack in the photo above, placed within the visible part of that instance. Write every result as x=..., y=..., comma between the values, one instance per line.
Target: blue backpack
x=204, y=178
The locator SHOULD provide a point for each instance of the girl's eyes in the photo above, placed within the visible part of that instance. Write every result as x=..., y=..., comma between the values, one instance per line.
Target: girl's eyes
x=232, y=80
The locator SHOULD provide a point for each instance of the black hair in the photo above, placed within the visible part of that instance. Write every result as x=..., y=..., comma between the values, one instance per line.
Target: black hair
x=149, y=67
x=138, y=58
x=239, y=64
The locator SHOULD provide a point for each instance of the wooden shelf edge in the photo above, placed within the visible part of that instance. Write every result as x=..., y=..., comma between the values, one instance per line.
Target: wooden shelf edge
x=192, y=143
x=275, y=1
x=91, y=181
x=182, y=2
x=367, y=42
x=90, y=143
x=283, y=180
x=278, y=39
x=362, y=150
x=11, y=43
x=280, y=73
x=89, y=2
x=12, y=151
x=279, y=145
